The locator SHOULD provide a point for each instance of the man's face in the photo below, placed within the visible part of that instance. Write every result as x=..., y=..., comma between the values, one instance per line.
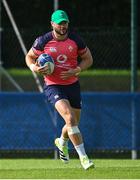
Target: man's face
x=61, y=28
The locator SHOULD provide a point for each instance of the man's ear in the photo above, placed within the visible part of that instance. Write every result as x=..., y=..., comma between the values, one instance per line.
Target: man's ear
x=52, y=23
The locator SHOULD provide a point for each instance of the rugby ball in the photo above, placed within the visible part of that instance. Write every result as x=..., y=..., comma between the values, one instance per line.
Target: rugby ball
x=46, y=59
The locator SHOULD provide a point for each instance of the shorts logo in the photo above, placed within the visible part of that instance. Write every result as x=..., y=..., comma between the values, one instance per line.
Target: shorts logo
x=56, y=96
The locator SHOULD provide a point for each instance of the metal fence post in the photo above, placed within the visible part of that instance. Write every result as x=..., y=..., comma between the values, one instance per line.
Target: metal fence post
x=133, y=70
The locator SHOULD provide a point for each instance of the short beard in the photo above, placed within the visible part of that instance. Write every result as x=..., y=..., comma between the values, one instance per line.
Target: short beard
x=60, y=32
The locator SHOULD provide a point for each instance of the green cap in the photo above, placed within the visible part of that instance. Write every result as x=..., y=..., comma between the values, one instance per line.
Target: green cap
x=58, y=16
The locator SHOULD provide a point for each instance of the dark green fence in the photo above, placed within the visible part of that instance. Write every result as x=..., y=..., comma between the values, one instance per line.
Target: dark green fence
x=108, y=38
x=110, y=47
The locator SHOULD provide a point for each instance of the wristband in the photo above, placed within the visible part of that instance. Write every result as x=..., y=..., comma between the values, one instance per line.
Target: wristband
x=32, y=67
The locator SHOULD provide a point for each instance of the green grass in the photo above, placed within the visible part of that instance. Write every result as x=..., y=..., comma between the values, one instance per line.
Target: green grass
x=107, y=72
x=93, y=72
x=91, y=80
x=55, y=169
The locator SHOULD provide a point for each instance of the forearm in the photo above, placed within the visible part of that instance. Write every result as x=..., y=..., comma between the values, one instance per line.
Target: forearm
x=30, y=59
x=85, y=64
x=86, y=61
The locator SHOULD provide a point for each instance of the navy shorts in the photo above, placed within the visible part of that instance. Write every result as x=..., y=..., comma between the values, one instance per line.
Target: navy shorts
x=70, y=92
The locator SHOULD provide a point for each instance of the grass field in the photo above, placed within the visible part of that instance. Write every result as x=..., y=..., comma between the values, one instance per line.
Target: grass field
x=92, y=72
x=55, y=169
x=91, y=80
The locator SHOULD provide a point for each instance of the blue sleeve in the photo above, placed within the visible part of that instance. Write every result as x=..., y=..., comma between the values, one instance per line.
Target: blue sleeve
x=41, y=41
x=78, y=40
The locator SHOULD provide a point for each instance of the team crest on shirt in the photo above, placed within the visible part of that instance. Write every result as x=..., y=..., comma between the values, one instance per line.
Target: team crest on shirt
x=70, y=48
x=53, y=49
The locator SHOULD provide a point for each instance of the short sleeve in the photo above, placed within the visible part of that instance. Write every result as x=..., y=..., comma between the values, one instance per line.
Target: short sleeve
x=36, y=47
x=82, y=48
x=40, y=42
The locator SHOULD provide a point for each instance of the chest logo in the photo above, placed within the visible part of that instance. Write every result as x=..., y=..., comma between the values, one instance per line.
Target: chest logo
x=61, y=58
x=70, y=48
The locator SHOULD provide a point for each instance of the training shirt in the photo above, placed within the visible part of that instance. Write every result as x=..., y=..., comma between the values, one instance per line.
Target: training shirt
x=64, y=53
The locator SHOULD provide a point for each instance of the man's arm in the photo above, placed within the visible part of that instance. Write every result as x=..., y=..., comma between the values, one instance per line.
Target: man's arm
x=31, y=60
x=86, y=62
x=32, y=64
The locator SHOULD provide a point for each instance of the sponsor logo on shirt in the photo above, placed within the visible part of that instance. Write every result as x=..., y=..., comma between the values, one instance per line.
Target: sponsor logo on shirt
x=61, y=58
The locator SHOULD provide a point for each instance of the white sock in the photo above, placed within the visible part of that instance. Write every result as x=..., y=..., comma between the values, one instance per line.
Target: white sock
x=63, y=141
x=80, y=150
